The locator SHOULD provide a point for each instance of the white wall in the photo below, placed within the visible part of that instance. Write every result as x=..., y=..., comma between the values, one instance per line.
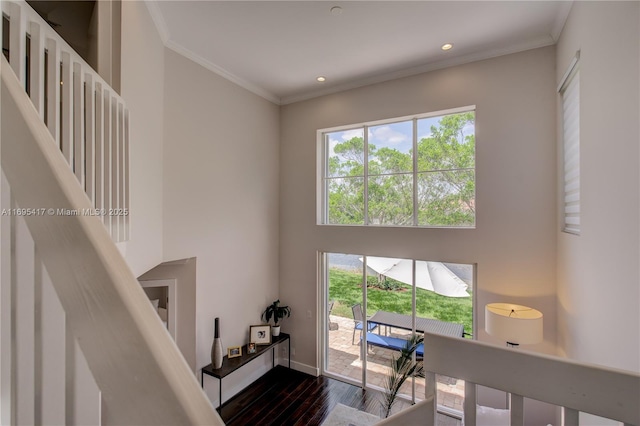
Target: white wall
x=221, y=196
x=514, y=240
x=143, y=91
x=598, y=276
x=513, y=244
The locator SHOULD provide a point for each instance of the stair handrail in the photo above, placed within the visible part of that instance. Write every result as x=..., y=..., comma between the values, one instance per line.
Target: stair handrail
x=576, y=386
x=136, y=365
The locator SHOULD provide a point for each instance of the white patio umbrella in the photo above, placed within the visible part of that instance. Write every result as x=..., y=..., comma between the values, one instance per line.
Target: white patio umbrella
x=433, y=276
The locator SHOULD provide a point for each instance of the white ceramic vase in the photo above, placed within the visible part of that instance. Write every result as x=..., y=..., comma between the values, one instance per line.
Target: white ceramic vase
x=216, y=348
x=275, y=330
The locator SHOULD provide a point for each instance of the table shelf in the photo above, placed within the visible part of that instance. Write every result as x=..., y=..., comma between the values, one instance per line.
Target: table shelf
x=229, y=365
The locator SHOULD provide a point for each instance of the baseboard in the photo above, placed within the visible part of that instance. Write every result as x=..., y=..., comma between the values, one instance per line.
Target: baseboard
x=298, y=366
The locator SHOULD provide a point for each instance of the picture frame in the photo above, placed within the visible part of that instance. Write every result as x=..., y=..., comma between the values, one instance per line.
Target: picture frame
x=251, y=348
x=260, y=334
x=234, y=351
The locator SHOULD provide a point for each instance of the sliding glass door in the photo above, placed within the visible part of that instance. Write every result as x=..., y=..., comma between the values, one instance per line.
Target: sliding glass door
x=342, y=287
x=367, y=325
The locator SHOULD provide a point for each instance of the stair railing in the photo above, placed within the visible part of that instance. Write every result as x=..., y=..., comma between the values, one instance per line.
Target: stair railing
x=80, y=341
x=575, y=387
x=138, y=371
x=87, y=119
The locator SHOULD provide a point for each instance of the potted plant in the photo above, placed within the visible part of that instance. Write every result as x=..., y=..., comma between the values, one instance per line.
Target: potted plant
x=277, y=312
x=402, y=368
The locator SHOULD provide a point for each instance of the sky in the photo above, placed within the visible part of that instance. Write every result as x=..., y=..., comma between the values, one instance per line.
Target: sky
x=397, y=136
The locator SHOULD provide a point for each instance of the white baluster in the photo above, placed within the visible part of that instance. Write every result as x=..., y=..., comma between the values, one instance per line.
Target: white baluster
x=115, y=148
x=570, y=417
x=53, y=89
x=90, y=137
x=106, y=144
x=78, y=122
x=99, y=151
x=121, y=174
x=18, y=41
x=36, y=67
x=66, y=90
x=38, y=338
x=23, y=297
x=7, y=372
x=469, y=403
x=127, y=170
x=516, y=406
x=430, y=396
x=53, y=354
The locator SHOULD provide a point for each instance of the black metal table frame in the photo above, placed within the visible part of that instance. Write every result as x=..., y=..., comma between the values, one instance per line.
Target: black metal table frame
x=233, y=364
x=395, y=320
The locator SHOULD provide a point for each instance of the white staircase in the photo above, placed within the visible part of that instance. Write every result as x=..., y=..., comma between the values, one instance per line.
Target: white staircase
x=80, y=342
x=87, y=119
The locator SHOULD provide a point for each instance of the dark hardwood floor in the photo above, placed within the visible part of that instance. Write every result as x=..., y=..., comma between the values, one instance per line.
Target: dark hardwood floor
x=288, y=397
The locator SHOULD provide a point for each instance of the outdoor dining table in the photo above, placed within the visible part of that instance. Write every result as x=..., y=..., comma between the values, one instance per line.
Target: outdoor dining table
x=395, y=320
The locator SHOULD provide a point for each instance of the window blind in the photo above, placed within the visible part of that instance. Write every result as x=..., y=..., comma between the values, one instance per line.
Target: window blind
x=571, y=151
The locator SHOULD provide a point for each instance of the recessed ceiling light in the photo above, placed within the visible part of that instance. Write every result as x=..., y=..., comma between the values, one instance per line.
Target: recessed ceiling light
x=321, y=79
x=336, y=10
x=447, y=46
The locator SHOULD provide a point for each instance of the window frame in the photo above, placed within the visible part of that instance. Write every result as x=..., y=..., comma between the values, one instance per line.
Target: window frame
x=323, y=286
x=322, y=193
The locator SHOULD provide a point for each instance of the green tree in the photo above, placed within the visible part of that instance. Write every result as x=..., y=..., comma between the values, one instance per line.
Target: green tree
x=446, y=179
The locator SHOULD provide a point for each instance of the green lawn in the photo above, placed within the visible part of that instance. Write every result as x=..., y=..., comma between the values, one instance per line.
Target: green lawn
x=345, y=288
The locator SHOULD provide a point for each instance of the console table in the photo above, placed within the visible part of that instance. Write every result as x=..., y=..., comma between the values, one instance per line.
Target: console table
x=231, y=365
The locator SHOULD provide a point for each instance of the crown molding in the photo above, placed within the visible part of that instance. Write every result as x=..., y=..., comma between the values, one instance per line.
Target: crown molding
x=181, y=50
x=158, y=20
x=163, y=31
x=161, y=26
x=420, y=69
x=561, y=19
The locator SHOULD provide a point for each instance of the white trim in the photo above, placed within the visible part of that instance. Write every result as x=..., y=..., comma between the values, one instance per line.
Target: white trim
x=170, y=44
x=321, y=154
x=322, y=291
x=571, y=69
x=298, y=366
x=322, y=173
x=561, y=19
x=158, y=20
x=172, y=302
x=163, y=30
x=440, y=113
x=420, y=69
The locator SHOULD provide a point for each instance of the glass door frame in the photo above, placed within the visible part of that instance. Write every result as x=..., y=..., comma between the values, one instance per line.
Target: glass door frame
x=323, y=335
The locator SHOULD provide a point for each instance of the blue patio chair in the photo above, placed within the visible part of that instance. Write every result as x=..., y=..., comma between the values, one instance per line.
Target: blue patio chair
x=358, y=319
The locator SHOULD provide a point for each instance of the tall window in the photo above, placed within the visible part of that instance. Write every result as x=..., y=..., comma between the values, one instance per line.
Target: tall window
x=398, y=297
x=417, y=171
x=570, y=91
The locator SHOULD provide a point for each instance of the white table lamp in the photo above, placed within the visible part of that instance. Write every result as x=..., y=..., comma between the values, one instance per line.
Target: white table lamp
x=515, y=324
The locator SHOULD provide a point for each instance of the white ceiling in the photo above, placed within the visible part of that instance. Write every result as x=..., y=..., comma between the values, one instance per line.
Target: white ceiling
x=277, y=48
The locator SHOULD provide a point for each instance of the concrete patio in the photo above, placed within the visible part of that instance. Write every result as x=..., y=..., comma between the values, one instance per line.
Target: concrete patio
x=344, y=360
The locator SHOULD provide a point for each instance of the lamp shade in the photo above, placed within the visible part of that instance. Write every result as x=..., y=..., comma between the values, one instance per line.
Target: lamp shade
x=515, y=324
